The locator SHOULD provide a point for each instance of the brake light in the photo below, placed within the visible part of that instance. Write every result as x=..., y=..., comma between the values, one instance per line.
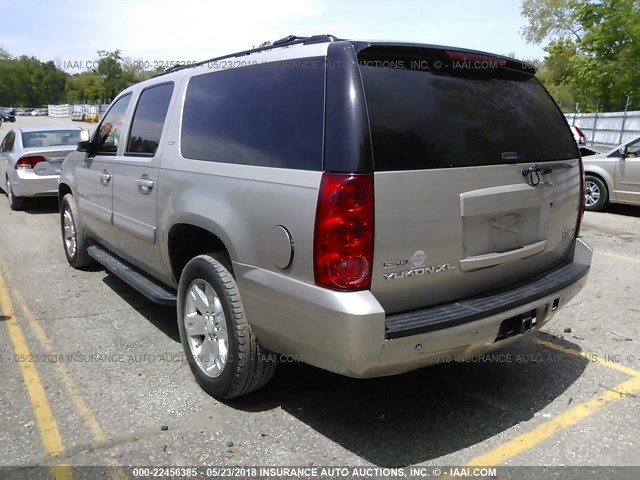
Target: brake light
x=29, y=162
x=343, y=237
x=475, y=58
x=581, y=200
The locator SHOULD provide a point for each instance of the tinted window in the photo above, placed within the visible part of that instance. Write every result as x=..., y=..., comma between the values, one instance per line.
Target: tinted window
x=148, y=119
x=432, y=119
x=7, y=143
x=110, y=129
x=269, y=115
x=50, y=138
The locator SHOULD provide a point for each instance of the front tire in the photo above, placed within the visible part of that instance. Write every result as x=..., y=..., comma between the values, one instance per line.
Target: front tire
x=596, y=194
x=15, y=203
x=74, y=240
x=222, y=350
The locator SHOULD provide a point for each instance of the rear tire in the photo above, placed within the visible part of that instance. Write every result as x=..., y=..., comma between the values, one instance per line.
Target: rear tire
x=74, y=240
x=15, y=203
x=596, y=195
x=222, y=350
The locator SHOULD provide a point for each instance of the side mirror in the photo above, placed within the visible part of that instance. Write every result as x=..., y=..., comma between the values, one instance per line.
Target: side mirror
x=623, y=151
x=84, y=146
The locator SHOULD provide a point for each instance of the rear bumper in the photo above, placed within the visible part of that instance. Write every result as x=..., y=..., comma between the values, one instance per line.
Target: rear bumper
x=349, y=333
x=26, y=183
x=469, y=310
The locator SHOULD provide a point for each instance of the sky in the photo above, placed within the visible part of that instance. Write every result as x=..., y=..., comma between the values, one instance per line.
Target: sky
x=71, y=32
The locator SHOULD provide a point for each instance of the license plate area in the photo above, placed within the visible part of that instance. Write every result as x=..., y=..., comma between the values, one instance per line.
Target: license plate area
x=516, y=325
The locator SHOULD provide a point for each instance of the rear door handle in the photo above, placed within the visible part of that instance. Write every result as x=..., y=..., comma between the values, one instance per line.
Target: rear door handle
x=145, y=184
x=105, y=178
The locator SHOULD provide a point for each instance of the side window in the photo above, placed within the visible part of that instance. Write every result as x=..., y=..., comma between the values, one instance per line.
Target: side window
x=110, y=129
x=148, y=120
x=634, y=148
x=269, y=115
x=7, y=143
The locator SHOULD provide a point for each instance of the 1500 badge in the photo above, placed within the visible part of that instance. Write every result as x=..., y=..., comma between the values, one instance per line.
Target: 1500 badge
x=416, y=272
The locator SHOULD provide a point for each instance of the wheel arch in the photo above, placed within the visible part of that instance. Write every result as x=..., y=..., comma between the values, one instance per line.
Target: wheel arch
x=602, y=174
x=186, y=240
x=63, y=189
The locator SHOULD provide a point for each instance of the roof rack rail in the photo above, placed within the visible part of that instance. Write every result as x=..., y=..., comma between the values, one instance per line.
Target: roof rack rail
x=282, y=42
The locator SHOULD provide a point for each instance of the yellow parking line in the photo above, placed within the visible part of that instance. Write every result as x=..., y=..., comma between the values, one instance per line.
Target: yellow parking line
x=80, y=405
x=619, y=257
x=42, y=413
x=588, y=356
x=543, y=432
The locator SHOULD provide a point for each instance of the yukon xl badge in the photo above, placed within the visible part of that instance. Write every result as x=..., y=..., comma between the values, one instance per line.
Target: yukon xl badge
x=417, y=260
x=417, y=272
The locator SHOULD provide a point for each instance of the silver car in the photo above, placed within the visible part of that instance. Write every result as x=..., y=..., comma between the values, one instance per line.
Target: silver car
x=31, y=161
x=613, y=176
x=365, y=207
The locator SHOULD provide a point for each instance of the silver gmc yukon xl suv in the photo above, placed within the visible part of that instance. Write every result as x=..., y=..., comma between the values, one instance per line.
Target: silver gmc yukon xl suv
x=369, y=207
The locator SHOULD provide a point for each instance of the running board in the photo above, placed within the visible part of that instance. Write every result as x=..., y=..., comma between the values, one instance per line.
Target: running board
x=132, y=276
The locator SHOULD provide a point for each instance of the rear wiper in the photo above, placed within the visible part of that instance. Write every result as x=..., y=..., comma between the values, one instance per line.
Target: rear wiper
x=535, y=171
x=545, y=169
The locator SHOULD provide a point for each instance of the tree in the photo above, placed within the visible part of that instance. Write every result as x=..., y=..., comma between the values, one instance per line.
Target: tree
x=550, y=18
x=84, y=86
x=110, y=70
x=593, y=50
x=28, y=81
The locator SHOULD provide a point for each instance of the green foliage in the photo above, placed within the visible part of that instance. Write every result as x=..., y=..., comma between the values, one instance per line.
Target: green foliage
x=593, y=50
x=28, y=82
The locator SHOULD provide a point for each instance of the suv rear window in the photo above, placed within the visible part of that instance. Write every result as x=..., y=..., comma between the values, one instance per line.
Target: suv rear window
x=429, y=114
x=270, y=115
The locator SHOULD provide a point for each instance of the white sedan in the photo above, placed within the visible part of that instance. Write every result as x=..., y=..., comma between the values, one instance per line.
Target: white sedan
x=31, y=161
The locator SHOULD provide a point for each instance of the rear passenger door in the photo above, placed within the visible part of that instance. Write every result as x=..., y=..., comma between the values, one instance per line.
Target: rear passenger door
x=94, y=178
x=136, y=177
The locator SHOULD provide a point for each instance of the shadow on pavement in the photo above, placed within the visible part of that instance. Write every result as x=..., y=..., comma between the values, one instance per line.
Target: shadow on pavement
x=162, y=317
x=422, y=415
x=42, y=205
x=625, y=210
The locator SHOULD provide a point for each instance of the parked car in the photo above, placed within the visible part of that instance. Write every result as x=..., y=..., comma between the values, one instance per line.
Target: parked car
x=31, y=161
x=7, y=116
x=578, y=135
x=23, y=111
x=613, y=176
x=586, y=151
x=368, y=207
x=40, y=112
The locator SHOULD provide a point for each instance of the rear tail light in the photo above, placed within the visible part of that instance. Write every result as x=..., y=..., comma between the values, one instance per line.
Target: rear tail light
x=29, y=162
x=582, y=140
x=343, y=238
x=581, y=200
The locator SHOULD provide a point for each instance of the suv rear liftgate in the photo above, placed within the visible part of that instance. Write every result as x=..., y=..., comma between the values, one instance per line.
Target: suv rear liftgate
x=489, y=180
